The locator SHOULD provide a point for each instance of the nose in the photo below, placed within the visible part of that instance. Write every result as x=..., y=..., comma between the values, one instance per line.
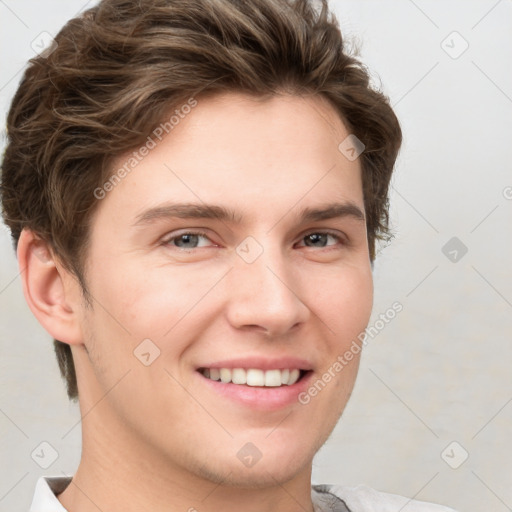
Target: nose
x=265, y=295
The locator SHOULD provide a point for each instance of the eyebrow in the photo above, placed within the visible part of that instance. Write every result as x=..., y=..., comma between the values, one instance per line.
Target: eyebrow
x=216, y=212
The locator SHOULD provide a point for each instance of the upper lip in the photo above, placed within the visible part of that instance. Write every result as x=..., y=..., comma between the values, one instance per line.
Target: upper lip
x=263, y=363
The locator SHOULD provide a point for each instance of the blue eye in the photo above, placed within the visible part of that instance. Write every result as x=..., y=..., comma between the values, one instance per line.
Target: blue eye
x=188, y=239
x=191, y=240
x=319, y=237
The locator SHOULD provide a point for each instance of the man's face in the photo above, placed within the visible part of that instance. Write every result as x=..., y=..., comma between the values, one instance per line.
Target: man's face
x=266, y=290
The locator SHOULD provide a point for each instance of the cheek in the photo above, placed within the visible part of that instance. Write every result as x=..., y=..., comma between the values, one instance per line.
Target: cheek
x=134, y=304
x=345, y=304
x=349, y=305
x=146, y=303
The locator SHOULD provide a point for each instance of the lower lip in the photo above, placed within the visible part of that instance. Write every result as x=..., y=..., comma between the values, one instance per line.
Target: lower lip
x=260, y=397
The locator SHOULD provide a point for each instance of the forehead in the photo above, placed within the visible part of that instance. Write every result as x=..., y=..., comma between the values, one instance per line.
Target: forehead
x=285, y=120
x=242, y=151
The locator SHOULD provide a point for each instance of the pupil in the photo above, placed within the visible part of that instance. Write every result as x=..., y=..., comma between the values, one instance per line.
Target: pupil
x=315, y=237
x=187, y=238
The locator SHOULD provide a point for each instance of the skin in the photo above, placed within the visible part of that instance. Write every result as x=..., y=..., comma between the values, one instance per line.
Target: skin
x=156, y=437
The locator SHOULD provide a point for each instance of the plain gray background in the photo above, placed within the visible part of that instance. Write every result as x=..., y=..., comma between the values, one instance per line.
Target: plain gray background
x=435, y=384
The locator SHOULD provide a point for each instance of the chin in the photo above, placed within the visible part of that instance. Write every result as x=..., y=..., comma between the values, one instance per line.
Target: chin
x=259, y=476
x=269, y=467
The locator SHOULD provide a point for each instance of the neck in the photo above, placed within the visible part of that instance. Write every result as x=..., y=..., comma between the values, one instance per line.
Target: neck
x=118, y=473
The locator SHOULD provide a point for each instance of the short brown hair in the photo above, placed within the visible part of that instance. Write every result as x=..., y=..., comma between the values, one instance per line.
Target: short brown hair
x=117, y=68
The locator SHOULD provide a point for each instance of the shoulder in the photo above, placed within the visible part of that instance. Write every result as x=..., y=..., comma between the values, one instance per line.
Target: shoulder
x=362, y=498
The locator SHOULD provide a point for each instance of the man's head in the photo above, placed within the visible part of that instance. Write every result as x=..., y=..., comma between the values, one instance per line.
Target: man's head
x=243, y=105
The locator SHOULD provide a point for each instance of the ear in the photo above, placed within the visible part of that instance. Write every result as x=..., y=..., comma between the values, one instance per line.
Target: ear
x=53, y=294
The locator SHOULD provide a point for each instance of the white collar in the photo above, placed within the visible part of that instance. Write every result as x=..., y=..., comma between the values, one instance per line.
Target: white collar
x=45, y=499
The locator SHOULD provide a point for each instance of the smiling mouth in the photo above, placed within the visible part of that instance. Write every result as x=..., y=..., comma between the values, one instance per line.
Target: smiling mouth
x=254, y=376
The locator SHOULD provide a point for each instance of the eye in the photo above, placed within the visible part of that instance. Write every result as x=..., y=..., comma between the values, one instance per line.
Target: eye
x=192, y=240
x=187, y=240
x=319, y=239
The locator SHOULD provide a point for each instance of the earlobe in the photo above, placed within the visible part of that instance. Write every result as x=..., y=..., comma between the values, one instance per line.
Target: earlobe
x=51, y=291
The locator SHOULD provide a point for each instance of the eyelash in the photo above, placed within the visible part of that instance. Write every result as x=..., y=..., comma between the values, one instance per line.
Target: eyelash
x=167, y=241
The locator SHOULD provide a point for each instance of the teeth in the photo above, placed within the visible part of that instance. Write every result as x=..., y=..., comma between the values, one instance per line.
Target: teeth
x=238, y=376
x=225, y=375
x=273, y=378
x=294, y=376
x=253, y=376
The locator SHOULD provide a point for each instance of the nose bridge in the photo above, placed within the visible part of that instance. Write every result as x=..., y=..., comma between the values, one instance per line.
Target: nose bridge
x=263, y=291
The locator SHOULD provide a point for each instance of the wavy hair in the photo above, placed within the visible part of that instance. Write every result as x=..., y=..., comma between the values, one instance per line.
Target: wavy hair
x=115, y=69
